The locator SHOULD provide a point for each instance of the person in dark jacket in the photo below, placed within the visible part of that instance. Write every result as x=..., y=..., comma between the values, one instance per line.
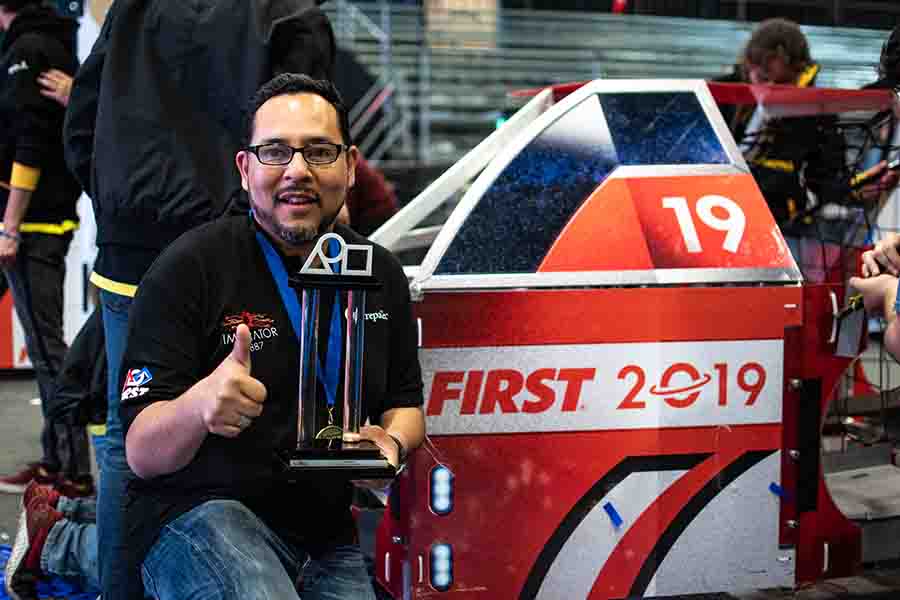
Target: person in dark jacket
x=788, y=156
x=80, y=400
x=884, y=180
x=37, y=196
x=370, y=202
x=153, y=124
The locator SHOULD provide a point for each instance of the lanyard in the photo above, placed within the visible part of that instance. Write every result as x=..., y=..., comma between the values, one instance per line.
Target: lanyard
x=328, y=376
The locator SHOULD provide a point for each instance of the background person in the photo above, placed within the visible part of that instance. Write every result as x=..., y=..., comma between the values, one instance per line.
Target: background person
x=882, y=179
x=154, y=121
x=56, y=85
x=788, y=156
x=371, y=201
x=80, y=389
x=878, y=285
x=38, y=200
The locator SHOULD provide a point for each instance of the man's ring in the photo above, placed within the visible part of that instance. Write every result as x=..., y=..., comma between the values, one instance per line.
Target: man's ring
x=245, y=422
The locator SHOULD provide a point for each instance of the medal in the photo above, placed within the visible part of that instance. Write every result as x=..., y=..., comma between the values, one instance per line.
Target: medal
x=330, y=432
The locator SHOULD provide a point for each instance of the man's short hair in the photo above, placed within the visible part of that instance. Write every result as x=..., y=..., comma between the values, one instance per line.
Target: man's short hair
x=17, y=5
x=889, y=65
x=781, y=37
x=296, y=83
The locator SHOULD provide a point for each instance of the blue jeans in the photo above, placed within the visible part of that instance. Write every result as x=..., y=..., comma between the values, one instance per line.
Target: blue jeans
x=222, y=550
x=71, y=547
x=99, y=442
x=117, y=581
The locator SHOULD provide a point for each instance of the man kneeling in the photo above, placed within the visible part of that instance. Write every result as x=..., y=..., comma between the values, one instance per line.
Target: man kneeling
x=209, y=397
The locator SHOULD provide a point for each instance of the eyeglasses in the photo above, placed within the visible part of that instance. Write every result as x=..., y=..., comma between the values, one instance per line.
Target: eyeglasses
x=278, y=154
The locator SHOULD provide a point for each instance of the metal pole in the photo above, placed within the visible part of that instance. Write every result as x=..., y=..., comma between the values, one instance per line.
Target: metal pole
x=387, y=61
x=424, y=92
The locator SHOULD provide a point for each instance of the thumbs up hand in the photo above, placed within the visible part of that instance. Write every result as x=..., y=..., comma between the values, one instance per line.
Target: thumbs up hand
x=240, y=353
x=235, y=398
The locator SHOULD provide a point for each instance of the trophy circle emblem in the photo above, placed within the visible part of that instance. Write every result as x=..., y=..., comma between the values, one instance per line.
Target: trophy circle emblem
x=331, y=432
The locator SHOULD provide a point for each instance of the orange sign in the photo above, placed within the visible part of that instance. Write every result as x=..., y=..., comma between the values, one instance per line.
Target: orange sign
x=709, y=221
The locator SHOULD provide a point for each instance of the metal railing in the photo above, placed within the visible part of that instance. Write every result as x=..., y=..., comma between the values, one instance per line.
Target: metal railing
x=382, y=115
x=841, y=13
x=447, y=77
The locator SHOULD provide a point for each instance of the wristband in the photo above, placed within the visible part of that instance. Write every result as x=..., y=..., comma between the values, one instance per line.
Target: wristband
x=11, y=236
x=401, y=452
x=24, y=177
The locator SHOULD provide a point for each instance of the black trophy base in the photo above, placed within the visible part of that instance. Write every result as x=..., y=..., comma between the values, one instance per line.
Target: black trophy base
x=362, y=460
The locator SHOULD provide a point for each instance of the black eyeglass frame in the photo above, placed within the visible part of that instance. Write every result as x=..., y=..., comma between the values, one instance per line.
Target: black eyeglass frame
x=302, y=150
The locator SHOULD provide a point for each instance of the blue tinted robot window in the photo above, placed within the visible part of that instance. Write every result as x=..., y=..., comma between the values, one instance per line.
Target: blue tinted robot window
x=515, y=223
x=664, y=128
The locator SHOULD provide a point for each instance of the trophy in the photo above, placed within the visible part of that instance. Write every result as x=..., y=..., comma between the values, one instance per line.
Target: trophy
x=330, y=403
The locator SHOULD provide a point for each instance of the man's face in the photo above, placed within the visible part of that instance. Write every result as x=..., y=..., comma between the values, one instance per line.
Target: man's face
x=296, y=202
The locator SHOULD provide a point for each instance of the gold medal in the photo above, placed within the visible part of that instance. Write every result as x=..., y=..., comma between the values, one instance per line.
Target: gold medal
x=330, y=432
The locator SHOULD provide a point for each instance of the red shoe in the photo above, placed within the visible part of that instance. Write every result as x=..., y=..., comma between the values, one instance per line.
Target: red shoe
x=16, y=483
x=23, y=570
x=47, y=494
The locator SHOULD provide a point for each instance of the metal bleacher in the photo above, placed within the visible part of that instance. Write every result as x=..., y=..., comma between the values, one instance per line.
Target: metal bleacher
x=450, y=74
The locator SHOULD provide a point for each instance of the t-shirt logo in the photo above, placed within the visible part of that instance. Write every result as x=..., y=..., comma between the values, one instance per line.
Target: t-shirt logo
x=262, y=327
x=377, y=316
x=16, y=67
x=251, y=320
x=138, y=377
x=372, y=316
x=136, y=383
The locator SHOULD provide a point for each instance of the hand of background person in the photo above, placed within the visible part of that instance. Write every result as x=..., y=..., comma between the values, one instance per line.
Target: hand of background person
x=883, y=257
x=874, y=290
x=889, y=180
x=55, y=85
x=235, y=398
x=9, y=250
x=886, y=181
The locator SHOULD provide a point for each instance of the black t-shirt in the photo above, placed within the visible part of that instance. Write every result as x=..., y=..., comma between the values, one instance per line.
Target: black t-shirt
x=181, y=328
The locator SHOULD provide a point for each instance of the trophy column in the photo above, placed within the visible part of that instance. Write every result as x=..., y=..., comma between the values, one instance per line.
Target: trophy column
x=327, y=425
x=309, y=343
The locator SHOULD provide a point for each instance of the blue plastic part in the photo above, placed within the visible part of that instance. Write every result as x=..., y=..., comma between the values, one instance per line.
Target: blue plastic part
x=614, y=515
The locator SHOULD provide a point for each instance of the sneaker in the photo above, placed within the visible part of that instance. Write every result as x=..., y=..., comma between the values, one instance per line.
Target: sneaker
x=47, y=493
x=17, y=482
x=23, y=569
x=75, y=488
